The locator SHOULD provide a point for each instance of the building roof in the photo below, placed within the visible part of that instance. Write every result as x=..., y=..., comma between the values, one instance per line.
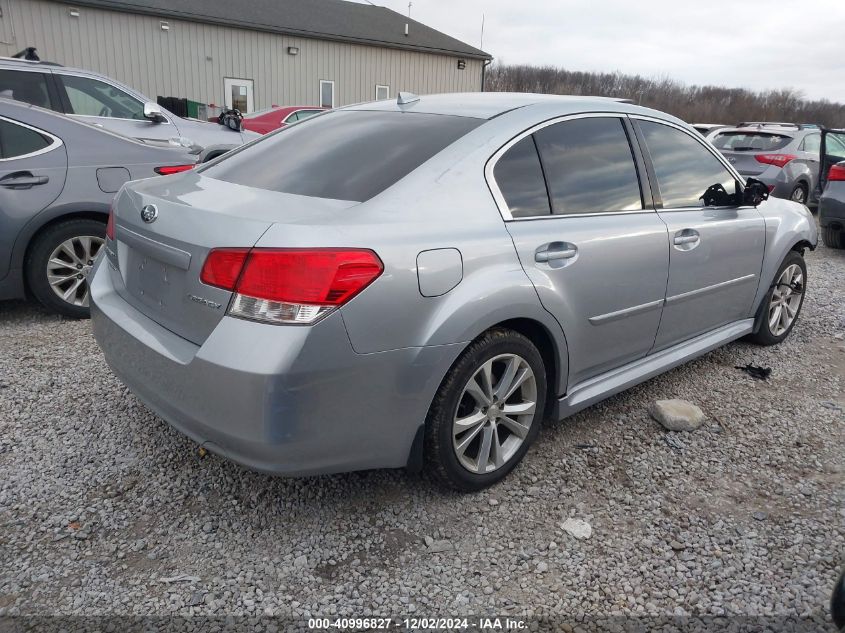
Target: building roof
x=322, y=19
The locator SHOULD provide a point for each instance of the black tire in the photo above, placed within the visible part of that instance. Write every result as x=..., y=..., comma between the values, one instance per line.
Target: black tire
x=764, y=335
x=35, y=266
x=804, y=193
x=833, y=237
x=440, y=454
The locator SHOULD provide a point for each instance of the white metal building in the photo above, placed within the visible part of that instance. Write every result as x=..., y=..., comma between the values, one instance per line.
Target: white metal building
x=246, y=53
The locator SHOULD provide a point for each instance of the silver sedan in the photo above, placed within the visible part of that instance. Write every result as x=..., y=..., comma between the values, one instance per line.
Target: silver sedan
x=422, y=282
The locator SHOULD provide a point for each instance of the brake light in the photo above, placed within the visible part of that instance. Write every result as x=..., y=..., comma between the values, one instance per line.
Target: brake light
x=110, y=223
x=778, y=160
x=837, y=172
x=290, y=285
x=166, y=170
x=223, y=266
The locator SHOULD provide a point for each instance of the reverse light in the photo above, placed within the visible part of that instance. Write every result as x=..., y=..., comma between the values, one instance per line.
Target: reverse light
x=778, y=160
x=290, y=285
x=837, y=172
x=166, y=170
x=110, y=223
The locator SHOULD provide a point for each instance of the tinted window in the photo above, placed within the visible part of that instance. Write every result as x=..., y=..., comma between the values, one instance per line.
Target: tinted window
x=685, y=169
x=812, y=143
x=304, y=114
x=343, y=155
x=96, y=98
x=16, y=140
x=589, y=166
x=30, y=87
x=520, y=179
x=750, y=141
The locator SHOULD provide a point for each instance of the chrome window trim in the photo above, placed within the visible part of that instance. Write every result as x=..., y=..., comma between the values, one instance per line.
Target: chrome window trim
x=499, y=199
x=55, y=144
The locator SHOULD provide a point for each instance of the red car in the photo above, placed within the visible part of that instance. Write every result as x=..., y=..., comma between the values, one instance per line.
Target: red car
x=264, y=121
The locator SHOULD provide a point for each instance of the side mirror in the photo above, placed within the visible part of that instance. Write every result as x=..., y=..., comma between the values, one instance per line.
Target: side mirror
x=153, y=112
x=755, y=192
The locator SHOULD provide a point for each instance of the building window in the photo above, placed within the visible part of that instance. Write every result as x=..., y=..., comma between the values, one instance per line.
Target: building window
x=382, y=92
x=326, y=94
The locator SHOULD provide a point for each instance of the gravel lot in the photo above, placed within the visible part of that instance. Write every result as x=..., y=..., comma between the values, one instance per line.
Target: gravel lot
x=106, y=510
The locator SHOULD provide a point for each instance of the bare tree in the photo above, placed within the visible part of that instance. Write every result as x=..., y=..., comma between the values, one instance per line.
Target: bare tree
x=704, y=104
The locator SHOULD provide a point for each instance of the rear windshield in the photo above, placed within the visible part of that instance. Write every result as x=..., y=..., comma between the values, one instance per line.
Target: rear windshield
x=750, y=141
x=345, y=155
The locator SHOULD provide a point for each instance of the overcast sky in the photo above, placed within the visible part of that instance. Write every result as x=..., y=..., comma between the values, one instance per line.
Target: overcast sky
x=756, y=44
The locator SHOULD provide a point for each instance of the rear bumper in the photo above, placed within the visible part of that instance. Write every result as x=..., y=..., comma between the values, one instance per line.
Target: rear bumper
x=281, y=399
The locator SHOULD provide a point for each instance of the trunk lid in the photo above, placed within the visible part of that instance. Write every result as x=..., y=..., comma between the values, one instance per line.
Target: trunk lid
x=745, y=163
x=160, y=261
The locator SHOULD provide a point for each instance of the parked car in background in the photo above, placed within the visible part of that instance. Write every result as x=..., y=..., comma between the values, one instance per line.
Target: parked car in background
x=264, y=121
x=412, y=286
x=102, y=101
x=784, y=156
x=832, y=187
x=706, y=128
x=57, y=180
x=837, y=603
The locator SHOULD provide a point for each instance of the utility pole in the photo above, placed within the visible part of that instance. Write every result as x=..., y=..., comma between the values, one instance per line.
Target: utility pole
x=409, y=9
x=481, y=45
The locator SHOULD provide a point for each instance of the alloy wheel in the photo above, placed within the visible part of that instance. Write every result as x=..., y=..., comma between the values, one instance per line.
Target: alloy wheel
x=495, y=413
x=799, y=195
x=69, y=266
x=786, y=299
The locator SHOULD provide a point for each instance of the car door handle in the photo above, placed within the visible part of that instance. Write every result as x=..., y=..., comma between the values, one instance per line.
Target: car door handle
x=686, y=239
x=555, y=251
x=22, y=180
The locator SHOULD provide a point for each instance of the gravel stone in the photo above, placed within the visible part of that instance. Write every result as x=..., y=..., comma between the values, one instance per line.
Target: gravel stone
x=77, y=447
x=577, y=528
x=676, y=414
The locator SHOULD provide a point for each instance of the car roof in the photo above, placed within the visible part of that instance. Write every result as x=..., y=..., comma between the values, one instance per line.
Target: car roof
x=487, y=105
x=777, y=131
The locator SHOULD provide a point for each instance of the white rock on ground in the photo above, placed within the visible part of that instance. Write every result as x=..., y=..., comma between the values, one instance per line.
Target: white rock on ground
x=677, y=415
x=578, y=528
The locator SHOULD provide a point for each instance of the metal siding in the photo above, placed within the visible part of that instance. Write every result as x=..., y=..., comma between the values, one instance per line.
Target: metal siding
x=134, y=50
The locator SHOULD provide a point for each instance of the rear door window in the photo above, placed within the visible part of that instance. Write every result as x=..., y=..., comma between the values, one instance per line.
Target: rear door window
x=519, y=176
x=812, y=143
x=344, y=155
x=589, y=166
x=29, y=87
x=750, y=141
x=685, y=169
x=17, y=141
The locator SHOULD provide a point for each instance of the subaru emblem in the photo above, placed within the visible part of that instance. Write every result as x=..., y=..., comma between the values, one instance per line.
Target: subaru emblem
x=149, y=213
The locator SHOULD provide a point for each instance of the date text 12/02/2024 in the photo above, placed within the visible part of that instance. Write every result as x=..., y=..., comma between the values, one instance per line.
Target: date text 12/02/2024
x=419, y=624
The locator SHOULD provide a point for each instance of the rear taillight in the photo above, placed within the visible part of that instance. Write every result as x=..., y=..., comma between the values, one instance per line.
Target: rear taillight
x=223, y=267
x=110, y=223
x=290, y=285
x=778, y=160
x=166, y=170
x=837, y=172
